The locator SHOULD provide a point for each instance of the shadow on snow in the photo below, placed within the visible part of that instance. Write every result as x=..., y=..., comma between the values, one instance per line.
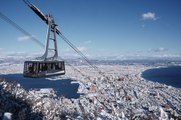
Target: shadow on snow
x=63, y=87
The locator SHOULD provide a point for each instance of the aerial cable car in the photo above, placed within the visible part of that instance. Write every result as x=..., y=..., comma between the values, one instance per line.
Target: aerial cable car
x=45, y=65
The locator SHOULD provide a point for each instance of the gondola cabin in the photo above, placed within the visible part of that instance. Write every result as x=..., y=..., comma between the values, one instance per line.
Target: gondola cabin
x=38, y=69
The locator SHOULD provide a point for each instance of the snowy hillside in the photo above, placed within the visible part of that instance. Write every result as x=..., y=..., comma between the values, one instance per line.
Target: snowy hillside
x=119, y=93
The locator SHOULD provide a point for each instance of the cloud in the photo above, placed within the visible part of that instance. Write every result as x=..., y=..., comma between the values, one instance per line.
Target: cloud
x=149, y=16
x=141, y=57
x=24, y=38
x=160, y=49
x=82, y=49
x=168, y=56
x=69, y=52
x=88, y=42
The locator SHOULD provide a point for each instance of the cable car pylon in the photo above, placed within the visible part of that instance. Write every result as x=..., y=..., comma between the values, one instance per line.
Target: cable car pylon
x=45, y=65
x=51, y=37
x=48, y=19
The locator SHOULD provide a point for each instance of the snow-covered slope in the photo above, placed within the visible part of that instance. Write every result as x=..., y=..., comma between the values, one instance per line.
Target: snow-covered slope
x=117, y=93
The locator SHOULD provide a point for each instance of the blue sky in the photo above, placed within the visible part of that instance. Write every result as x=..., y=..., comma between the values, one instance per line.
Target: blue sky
x=115, y=28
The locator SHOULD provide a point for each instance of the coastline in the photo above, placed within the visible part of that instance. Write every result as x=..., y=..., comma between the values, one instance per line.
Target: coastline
x=109, y=97
x=169, y=75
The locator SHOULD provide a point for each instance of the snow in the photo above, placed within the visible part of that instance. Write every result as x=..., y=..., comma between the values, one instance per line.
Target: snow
x=7, y=116
x=105, y=96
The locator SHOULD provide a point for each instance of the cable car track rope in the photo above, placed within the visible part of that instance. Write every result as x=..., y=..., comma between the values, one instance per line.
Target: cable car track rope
x=8, y=20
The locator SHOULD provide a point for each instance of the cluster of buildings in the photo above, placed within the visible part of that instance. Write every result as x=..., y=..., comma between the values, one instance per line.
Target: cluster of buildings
x=118, y=94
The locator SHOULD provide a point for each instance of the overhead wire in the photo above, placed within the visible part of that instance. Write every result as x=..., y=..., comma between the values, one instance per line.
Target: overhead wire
x=6, y=19
x=72, y=67
x=80, y=53
x=77, y=50
x=44, y=18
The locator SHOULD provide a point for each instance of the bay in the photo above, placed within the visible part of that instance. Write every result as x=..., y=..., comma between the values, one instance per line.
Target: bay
x=168, y=75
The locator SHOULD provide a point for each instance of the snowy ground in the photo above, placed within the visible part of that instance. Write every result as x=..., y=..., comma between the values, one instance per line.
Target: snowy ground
x=119, y=93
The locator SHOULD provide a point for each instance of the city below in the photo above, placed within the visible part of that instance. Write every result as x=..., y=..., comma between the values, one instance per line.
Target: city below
x=117, y=91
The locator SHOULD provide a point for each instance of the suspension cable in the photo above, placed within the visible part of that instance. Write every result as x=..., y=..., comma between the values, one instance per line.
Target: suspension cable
x=80, y=53
x=6, y=19
x=73, y=67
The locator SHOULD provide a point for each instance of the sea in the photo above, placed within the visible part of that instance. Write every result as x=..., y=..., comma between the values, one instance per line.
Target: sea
x=170, y=75
x=63, y=87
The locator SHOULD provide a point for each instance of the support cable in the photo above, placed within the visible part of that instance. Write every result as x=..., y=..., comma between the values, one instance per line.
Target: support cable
x=81, y=54
x=6, y=19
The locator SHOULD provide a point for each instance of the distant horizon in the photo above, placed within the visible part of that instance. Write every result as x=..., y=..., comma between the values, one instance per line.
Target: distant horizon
x=100, y=29
x=23, y=56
